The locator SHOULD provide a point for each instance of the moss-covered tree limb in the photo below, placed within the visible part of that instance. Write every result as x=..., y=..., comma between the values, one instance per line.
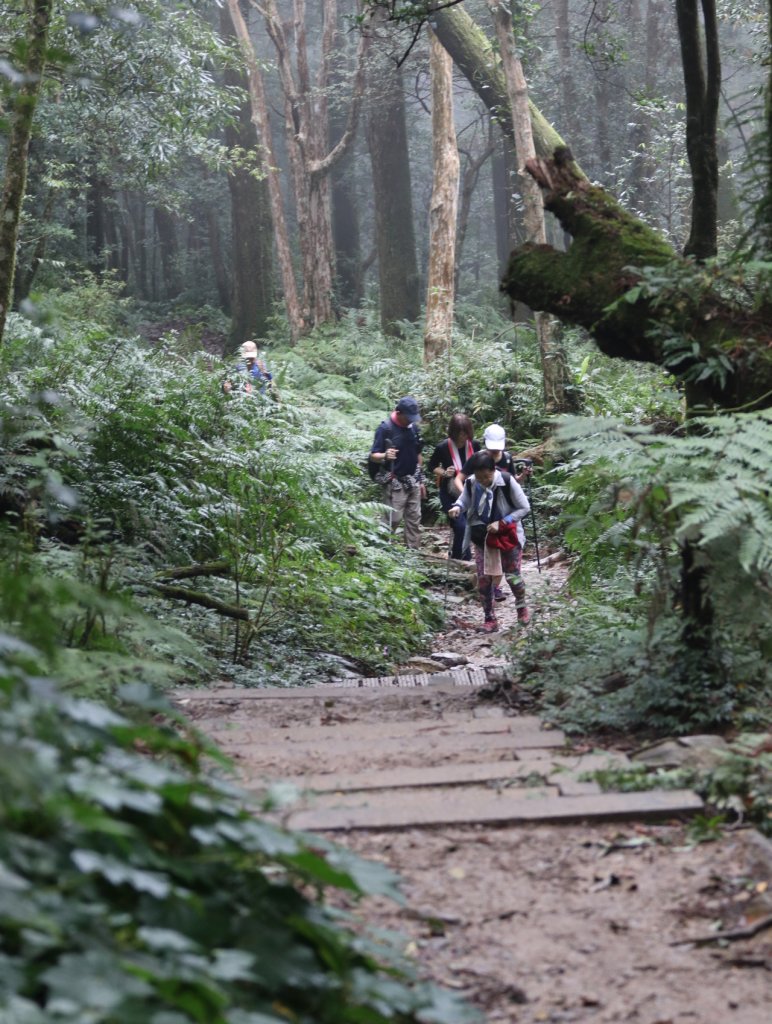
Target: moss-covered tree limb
x=475, y=57
x=585, y=285
x=231, y=611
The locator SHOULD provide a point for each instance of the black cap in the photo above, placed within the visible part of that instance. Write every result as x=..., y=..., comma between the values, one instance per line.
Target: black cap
x=408, y=407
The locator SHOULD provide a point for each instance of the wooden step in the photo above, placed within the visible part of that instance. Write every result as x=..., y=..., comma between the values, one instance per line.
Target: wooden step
x=500, y=810
x=556, y=770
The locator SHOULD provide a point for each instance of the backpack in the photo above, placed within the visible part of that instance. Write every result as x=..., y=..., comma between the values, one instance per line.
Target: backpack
x=374, y=468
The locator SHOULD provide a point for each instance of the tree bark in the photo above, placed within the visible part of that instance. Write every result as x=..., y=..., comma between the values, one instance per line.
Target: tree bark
x=168, y=250
x=560, y=396
x=261, y=121
x=469, y=179
x=586, y=285
x=443, y=207
x=22, y=110
x=392, y=192
x=702, y=82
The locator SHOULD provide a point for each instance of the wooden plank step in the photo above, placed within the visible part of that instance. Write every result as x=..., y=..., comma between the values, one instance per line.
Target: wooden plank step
x=370, y=749
x=253, y=733
x=493, y=810
x=555, y=769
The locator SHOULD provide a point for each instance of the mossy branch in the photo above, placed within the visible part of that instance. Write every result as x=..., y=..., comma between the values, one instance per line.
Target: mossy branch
x=185, y=572
x=584, y=286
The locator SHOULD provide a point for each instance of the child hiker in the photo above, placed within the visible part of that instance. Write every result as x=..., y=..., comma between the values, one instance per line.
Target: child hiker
x=494, y=503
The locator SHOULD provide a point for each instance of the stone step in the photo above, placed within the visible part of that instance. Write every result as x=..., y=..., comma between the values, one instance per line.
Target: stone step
x=354, y=687
x=500, y=810
x=370, y=749
x=410, y=800
x=253, y=733
x=556, y=770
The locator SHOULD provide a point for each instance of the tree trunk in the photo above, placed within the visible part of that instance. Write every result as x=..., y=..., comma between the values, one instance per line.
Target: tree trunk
x=392, y=192
x=586, y=286
x=560, y=396
x=470, y=177
x=252, y=292
x=702, y=82
x=476, y=59
x=568, y=100
x=22, y=110
x=24, y=275
x=261, y=121
x=307, y=131
x=168, y=249
x=443, y=207
x=345, y=215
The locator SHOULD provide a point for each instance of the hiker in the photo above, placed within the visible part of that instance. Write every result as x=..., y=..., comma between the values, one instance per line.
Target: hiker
x=396, y=464
x=252, y=371
x=447, y=462
x=495, y=441
x=494, y=503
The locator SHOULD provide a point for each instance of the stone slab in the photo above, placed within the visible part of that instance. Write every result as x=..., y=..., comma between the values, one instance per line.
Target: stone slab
x=370, y=748
x=452, y=774
x=253, y=733
x=419, y=799
x=501, y=811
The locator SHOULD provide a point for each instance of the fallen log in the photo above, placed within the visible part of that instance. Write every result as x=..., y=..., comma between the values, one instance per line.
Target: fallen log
x=185, y=572
x=231, y=611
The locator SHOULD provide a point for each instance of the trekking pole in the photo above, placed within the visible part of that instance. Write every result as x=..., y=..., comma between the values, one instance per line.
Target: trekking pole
x=447, y=574
x=533, y=523
x=390, y=463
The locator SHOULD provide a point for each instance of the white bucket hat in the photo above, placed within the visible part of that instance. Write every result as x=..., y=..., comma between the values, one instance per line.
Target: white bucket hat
x=495, y=438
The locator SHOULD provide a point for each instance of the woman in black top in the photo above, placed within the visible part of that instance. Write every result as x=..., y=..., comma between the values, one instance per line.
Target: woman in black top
x=446, y=463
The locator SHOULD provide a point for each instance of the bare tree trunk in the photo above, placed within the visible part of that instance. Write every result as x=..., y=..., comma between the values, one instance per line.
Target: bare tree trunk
x=702, y=81
x=168, y=249
x=568, y=100
x=392, y=192
x=252, y=278
x=262, y=125
x=443, y=208
x=559, y=394
x=470, y=177
x=307, y=130
x=22, y=109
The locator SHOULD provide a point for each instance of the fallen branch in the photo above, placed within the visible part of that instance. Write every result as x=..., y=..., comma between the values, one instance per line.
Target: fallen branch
x=185, y=572
x=231, y=611
x=732, y=935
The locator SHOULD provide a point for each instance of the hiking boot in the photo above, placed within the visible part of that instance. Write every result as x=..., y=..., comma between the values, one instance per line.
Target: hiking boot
x=498, y=594
x=490, y=626
x=523, y=615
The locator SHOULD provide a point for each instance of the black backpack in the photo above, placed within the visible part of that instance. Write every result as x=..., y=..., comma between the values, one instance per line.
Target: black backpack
x=374, y=468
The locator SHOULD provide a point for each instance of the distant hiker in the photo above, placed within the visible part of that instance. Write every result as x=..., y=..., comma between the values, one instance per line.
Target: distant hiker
x=447, y=462
x=252, y=372
x=495, y=441
x=494, y=503
x=396, y=464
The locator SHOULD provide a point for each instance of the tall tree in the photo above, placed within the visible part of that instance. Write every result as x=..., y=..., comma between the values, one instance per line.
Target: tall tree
x=22, y=110
x=392, y=189
x=701, y=64
x=308, y=135
x=251, y=224
x=443, y=207
x=261, y=121
x=559, y=394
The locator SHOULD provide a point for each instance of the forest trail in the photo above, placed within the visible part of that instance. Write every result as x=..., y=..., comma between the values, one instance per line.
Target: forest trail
x=531, y=921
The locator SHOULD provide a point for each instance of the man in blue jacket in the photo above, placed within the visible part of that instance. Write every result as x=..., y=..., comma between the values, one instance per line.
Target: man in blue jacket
x=396, y=455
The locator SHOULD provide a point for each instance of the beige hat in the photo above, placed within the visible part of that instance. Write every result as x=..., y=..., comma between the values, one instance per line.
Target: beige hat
x=248, y=350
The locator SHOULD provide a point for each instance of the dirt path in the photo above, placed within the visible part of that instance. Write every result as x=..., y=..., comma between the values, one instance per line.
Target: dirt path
x=532, y=922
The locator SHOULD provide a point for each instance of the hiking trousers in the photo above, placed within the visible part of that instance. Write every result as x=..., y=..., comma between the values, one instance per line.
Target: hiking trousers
x=405, y=503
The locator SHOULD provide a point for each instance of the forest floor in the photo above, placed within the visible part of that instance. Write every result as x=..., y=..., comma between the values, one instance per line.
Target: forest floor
x=533, y=922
